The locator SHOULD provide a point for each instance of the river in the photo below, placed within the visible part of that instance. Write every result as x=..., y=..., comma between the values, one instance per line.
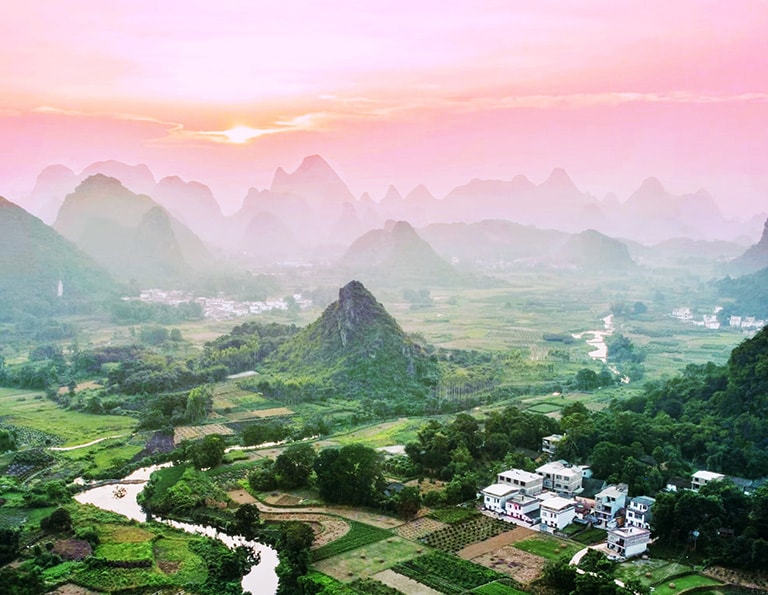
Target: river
x=597, y=341
x=260, y=580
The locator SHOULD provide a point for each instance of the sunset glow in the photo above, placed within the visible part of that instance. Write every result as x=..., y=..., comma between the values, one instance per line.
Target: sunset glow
x=395, y=92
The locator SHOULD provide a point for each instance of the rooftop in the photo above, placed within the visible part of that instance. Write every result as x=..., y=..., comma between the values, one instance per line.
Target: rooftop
x=499, y=490
x=707, y=475
x=557, y=503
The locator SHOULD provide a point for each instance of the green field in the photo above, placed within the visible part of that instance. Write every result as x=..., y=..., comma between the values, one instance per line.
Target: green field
x=684, y=583
x=369, y=559
x=548, y=547
x=32, y=410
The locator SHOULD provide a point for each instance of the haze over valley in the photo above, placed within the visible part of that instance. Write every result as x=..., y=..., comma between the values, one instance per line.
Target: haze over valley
x=375, y=300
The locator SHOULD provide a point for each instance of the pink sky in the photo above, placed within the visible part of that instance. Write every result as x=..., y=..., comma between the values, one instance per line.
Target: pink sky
x=393, y=92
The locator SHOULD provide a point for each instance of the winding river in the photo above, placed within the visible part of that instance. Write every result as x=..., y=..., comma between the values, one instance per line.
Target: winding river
x=260, y=580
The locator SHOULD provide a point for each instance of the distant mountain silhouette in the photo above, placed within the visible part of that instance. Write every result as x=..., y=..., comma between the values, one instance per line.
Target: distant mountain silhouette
x=755, y=258
x=492, y=243
x=130, y=234
x=41, y=273
x=594, y=251
x=193, y=204
x=397, y=254
x=315, y=181
x=51, y=186
x=356, y=349
x=137, y=178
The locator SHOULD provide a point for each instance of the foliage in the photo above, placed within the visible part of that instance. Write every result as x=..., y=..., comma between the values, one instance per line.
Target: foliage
x=446, y=573
x=293, y=545
x=294, y=465
x=59, y=520
x=350, y=475
x=355, y=348
x=359, y=534
x=470, y=530
x=199, y=404
x=178, y=490
x=208, y=452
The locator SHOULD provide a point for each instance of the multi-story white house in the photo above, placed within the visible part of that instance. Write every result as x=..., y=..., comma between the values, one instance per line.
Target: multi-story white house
x=610, y=501
x=495, y=496
x=523, y=510
x=628, y=541
x=557, y=512
x=561, y=477
x=549, y=443
x=639, y=512
x=529, y=484
x=702, y=478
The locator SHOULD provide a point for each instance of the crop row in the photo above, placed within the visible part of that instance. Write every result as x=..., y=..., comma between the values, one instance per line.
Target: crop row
x=459, y=535
x=359, y=534
x=445, y=573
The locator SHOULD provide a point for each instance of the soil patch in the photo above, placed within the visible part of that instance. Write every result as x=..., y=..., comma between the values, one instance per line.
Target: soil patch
x=742, y=578
x=494, y=543
x=241, y=497
x=168, y=566
x=521, y=566
x=419, y=528
x=403, y=583
x=70, y=589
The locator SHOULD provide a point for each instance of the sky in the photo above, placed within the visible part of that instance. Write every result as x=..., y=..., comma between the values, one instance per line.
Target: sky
x=396, y=92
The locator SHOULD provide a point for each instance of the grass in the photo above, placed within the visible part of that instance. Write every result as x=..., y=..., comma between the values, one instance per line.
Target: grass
x=660, y=570
x=684, y=583
x=550, y=548
x=497, y=589
x=359, y=534
x=25, y=409
x=369, y=559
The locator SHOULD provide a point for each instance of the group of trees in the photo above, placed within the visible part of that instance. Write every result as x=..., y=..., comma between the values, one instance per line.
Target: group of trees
x=719, y=521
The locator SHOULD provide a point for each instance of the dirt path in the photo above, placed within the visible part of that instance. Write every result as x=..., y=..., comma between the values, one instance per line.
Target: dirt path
x=494, y=543
x=403, y=583
x=370, y=518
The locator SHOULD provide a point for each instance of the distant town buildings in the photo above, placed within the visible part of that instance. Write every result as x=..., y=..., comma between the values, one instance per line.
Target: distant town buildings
x=711, y=321
x=221, y=308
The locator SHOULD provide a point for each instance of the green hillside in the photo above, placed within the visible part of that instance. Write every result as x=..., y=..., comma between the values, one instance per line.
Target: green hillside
x=130, y=234
x=357, y=350
x=34, y=258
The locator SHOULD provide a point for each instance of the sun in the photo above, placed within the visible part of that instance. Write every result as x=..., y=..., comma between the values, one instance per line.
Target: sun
x=242, y=134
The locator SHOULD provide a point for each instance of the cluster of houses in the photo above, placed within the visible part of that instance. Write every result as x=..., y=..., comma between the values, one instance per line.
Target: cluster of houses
x=220, y=308
x=711, y=321
x=553, y=497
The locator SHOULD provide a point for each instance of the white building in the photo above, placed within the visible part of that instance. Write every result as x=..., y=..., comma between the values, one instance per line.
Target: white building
x=557, y=513
x=702, y=478
x=528, y=483
x=609, y=502
x=628, y=541
x=523, y=510
x=495, y=496
x=639, y=512
x=549, y=443
x=561, y=477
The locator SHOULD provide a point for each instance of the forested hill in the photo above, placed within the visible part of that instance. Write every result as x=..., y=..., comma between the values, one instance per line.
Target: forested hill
x=34, y=258
x=355, y=349
x=719, y=410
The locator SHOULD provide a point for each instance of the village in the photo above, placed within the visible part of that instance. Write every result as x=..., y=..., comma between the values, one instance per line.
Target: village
x=555, y=496
x=220, y=307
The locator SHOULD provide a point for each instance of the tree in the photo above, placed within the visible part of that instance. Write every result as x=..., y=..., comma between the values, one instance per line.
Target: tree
x=294, y=465
x=408, y=502
x=209, y=452
x=9, y=544
x=560, y=574
x=248, y=520
x=293, y=548
x=199, y=404
x=263, y=478
x=350, y=475
x=58, y=520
